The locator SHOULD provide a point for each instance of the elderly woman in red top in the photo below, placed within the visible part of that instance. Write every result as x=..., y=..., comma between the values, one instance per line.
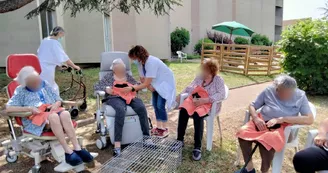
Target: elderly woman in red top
x=209, y=84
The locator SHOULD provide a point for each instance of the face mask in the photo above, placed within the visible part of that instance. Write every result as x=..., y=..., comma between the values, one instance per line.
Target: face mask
x=60, y=39
x=136, y=62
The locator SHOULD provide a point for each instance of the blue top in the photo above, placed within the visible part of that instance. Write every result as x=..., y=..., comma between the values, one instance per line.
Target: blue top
x=272, y=107
x=25, y=97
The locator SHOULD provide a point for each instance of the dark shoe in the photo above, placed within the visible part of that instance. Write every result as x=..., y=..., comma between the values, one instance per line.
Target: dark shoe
x=73, y=159
x=196, y=154
x=116, y=152
x=244, y=170
x=85, y=155
x=177, y=146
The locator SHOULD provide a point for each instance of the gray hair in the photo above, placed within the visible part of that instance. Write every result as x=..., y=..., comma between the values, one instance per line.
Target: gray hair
x=116, y=62
x=285, y=81
x=56, y=31
x=25, y=73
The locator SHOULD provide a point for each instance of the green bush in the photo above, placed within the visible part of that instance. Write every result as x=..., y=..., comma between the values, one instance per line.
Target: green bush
x=241, y=40
x=198, y=46
x=180, y=38
x=261, y=40
x=305, y=46
x=193, y=56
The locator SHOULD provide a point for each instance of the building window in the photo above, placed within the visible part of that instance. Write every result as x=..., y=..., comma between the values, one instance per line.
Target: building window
x=47, y=22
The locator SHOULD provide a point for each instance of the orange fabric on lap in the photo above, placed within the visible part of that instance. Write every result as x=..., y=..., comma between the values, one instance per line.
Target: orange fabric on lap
x=118, y=91
x=189, y=105
x=39, y=119
x=269, y=139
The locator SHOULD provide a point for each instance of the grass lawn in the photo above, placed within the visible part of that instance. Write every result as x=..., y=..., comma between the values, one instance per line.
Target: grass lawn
x=220, y=159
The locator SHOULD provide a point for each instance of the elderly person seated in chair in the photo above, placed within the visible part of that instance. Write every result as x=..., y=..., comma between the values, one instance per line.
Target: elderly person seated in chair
x=202, y=92
x=112, y=84
x=313, y=159
x=280, y=106
x=38, y=97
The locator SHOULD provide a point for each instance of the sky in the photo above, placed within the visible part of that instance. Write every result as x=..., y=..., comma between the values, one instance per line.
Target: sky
x=296, y=9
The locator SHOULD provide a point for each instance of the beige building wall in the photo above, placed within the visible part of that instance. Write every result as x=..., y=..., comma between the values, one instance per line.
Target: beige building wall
x=17, y=34
x=259, y=15
x=124, y=32
x=84, y=36
x=153, y=32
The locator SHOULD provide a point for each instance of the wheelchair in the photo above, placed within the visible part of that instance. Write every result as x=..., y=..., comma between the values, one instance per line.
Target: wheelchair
x=105, y=113
x=36, y=147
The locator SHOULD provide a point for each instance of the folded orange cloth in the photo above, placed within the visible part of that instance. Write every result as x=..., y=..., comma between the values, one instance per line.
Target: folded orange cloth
x=269, y=139
x=189, y=105
x=39, y=119
x=118, y=91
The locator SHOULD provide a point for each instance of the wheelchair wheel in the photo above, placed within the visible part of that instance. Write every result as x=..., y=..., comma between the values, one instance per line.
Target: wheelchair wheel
x=83, y=107
x=74, y=112
x=100, y=144
x=11, y=159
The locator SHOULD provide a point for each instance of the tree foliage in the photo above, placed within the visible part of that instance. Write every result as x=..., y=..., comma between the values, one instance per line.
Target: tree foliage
x=180, y=38
x=305, y=46
x=198, y=46
x=241, y=40
x=262, y=40
x=159, y=7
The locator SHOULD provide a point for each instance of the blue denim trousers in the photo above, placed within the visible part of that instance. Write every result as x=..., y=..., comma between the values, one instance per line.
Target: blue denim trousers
x=159, y=107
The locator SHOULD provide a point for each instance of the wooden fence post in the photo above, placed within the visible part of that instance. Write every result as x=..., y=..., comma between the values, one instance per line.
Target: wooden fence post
x=202, y=52
x=247, y=56
x=221, y=56
x=270, y=60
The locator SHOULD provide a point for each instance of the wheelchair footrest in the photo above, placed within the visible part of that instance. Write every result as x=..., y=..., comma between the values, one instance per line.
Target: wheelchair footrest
x=65, y=167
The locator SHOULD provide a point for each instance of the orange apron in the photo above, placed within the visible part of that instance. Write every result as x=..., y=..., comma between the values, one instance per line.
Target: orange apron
x=269, y=139
x=118, y=91
x=39, y=119
x=188, y=103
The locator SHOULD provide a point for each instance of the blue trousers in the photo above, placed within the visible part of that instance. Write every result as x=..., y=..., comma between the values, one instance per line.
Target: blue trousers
x=159, y=107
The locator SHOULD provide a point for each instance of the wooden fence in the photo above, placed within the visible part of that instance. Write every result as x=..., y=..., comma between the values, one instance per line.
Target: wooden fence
x=244, y=59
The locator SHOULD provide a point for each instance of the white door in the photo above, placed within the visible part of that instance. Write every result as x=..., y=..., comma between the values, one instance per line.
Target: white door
x=107, y=33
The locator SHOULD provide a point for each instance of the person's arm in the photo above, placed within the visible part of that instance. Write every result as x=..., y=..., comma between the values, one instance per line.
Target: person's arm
x=257, y=104
x=71, y=63
x=143, y=85
x=219, y=93
x=15, y=103
x=323, y=128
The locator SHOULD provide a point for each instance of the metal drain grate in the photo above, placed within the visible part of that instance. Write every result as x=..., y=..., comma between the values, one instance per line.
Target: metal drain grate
x=144, y=156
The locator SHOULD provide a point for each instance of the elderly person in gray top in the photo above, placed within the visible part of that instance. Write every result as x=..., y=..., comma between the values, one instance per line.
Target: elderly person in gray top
x=280, y=104
x=119, y=104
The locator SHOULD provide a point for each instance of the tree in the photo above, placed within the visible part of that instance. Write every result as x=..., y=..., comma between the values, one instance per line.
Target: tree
x=180, y=38
x=159, y=7
x=305, y=46
x=325, y=9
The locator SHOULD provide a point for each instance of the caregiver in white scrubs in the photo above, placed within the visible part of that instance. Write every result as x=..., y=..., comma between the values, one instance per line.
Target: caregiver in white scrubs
x=51, y=54
x=159, y=79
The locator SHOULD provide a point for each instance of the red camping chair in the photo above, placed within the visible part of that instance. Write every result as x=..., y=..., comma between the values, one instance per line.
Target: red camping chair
x=38, y=146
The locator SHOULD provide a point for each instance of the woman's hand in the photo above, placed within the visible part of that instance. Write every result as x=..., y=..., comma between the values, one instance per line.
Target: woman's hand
x=151, y=88
x=34, y=110
x=126, y=90
x=273, y=122
x=142, y=79
x=55, y=106
x=77, y=68
x=177, y=98
x=197, y=102
x=321, y=140
x=109, y=90
x=260, y=124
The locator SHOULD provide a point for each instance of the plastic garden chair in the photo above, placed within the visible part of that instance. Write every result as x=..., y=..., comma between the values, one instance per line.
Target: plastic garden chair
x=181, y=55
x=291, y=141
x=210, y=119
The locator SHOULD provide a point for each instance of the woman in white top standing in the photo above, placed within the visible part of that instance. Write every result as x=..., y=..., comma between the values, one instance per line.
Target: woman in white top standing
x=51, y=54
x=159, y=79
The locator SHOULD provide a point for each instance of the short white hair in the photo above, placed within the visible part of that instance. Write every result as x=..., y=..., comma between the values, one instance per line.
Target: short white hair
x=285, y=81
x=116, y=62
x=25, y=73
